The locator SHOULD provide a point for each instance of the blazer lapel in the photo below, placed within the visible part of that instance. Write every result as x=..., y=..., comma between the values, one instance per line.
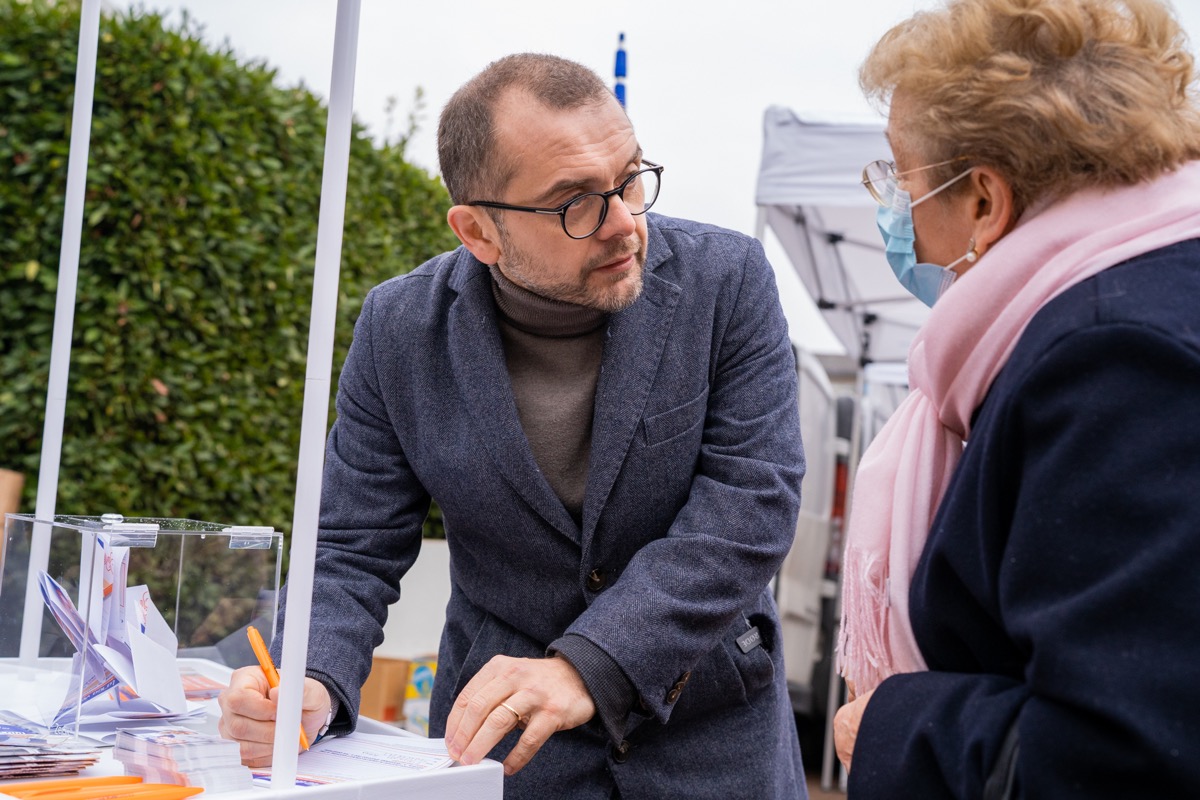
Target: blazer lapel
x=477, y=359
x=636, y=339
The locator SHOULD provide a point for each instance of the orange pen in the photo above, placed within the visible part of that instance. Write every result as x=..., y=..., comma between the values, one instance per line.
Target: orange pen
x=19, y=789
x=95, y=791
x=268, y=668
x=129, y=792
x=141, y=791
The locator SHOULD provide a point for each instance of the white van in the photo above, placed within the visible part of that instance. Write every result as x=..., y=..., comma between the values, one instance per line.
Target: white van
x=807, y=581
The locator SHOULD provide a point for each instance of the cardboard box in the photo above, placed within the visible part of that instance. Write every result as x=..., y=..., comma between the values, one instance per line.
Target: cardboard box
x=383, y=693
x=421, y=673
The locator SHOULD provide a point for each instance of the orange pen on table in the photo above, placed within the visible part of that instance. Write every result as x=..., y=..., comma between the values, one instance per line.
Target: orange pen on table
x=21, y=789
x=109, y=791
x=268, y=668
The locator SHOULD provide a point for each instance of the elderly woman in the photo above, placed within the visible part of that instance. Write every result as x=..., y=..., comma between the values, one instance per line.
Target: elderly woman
x=1022, y=613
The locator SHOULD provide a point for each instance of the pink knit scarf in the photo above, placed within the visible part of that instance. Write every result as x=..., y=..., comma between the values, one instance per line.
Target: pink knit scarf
x=951, y=363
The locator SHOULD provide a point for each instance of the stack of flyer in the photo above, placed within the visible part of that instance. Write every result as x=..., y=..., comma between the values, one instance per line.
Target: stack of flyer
x=28, y=752
x=182, y=756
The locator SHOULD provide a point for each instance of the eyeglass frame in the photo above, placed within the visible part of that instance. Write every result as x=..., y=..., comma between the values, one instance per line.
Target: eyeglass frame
x=561, y=211
x=869, y=185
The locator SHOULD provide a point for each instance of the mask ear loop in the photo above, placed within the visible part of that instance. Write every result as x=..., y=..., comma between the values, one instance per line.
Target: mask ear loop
x=971, y=256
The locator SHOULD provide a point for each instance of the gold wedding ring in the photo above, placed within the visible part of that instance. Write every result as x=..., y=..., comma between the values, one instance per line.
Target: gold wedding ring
x=514, y=711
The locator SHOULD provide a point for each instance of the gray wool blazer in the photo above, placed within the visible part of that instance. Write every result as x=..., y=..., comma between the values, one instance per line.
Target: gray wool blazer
x=691, y=502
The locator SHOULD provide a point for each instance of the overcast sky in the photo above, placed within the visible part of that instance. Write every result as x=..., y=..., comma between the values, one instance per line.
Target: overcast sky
x=701, y=72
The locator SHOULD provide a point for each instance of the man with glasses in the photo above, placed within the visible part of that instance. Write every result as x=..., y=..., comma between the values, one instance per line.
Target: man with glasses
x=603, y=405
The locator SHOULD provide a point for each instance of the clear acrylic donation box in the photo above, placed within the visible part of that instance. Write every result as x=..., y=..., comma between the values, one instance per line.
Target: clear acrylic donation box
x=104, y=619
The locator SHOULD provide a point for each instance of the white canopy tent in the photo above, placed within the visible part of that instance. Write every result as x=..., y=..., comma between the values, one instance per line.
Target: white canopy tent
x=810, y=197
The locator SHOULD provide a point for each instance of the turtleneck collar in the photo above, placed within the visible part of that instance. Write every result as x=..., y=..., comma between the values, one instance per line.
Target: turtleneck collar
x=541, y=316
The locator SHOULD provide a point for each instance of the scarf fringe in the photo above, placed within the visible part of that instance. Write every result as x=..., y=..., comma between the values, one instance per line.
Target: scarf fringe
x=862, y=639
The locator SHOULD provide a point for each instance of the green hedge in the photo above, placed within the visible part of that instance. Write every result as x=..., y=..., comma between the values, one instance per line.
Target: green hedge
x=195, y=277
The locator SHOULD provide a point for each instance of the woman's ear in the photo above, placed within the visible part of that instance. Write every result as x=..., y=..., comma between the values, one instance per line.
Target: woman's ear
x=477, y=231
x=993, y=211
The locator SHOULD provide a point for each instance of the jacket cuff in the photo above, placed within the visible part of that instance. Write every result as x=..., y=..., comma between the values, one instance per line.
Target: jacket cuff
x=611, y=691
x=343, y=722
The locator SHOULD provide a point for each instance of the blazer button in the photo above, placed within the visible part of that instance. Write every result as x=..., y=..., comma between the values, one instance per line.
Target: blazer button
x=596, y=580
x=673, y=695
x=621, y=752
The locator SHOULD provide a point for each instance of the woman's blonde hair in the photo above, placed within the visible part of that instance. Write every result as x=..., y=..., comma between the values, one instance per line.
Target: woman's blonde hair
x=1056, y=95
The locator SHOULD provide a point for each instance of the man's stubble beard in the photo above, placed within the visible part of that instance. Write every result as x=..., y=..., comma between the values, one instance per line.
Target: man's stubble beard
x=579, y=293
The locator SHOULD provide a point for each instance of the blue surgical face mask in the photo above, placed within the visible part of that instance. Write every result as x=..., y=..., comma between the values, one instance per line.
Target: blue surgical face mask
x=926, y=282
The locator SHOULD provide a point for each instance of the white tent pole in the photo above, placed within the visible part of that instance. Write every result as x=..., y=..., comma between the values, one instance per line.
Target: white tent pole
x=64, y=322
x=313, y=425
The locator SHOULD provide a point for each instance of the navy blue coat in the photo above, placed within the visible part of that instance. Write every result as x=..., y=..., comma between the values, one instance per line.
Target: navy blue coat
x=691, y=502
x=1059, y=593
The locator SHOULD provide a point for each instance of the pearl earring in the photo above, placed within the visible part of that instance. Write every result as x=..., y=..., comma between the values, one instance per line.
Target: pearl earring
x=972, y=255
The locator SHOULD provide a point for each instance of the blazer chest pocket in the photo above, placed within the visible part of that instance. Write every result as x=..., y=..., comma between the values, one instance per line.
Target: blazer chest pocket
x=666, y=426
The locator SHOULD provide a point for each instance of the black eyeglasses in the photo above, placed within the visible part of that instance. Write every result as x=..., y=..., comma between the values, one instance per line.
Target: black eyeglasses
x=583, y=215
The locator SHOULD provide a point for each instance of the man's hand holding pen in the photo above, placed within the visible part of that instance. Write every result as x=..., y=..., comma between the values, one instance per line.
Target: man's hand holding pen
x=248, y=713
